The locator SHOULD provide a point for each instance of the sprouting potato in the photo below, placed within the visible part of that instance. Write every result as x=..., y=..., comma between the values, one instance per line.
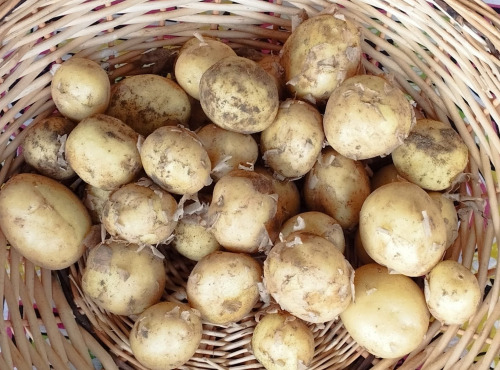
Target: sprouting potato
x=44, y=147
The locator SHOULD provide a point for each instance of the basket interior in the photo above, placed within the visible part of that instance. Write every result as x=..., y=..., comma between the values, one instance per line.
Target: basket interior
x=444, y=54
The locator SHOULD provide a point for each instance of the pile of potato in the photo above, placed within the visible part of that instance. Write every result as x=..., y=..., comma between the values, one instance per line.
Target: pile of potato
x=268, y=190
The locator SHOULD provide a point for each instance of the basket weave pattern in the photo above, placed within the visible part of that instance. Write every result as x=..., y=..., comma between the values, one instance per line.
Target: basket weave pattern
x=445, y=54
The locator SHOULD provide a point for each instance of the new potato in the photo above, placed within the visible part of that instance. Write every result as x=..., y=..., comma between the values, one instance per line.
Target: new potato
x=43, y=220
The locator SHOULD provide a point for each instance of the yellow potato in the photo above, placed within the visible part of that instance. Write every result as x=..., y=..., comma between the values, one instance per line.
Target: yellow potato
x=44, y=147
x=43, y=220
x=123, y=279
x=80, y=88
x=146, y=102
x=238, y=95
x=103, y=152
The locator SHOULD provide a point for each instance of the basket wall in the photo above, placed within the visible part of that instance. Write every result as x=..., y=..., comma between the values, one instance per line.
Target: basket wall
x=443, y=53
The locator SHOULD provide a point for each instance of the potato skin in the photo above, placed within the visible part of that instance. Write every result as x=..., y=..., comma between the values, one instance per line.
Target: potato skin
x=238, y=95
x=388, y=316
x=122, y=279
x=166, y=335
x=292, y=143
x=282, y=341
x=80, y=88
x=140, y=214
x=308, y=277
x=321, y=53
x=175, y=159
x=452, y=292
x=402, y=228
x=195, y=57
x=44, y=145
x=223, y=286
x=432, y=156
x=337, y=186
x=317, y=223
x=366, y=117
x=103, y=152
x=146, y=102
x=43, y=220
x=243, y=213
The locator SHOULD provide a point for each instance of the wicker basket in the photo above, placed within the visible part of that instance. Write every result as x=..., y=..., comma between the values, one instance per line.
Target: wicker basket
x=443, y=53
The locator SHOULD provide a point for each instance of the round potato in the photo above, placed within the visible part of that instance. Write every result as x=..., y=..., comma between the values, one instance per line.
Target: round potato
x=317, y=223
x=193, y=239
x=80, y=88
x=238, y=95
x=140, y=213
x=103, y=152
x=195, y=57
x=291, y=145
x=175, y=159
x=146, y=102
x=452, y=292
x=319, y=54
x=166, y=335
x=402, y=228
x=43, y=220
x=337, y=186
x=271, y=64
x=388, y=316
x=223, y=286
x=44, y=146
x=432, y=156
x=243, y=212
x=308, y=277
x=366, y=117
x=122, y=278
x=385, y=175
x=227, y=149
x=281, y=341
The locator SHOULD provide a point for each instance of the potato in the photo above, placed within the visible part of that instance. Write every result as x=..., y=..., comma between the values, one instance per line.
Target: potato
x=319, y=54
x=192, y=238
x=402, y=228
x=43, y=220
x=95, y=199
x=140, y=213
x=337, y=186
x=432, y=156
x=308, y=277
x=227, y=149
x=292, y=143
x=317, y=223
x=223, y=286
x=243, y=212
x=448, y=214
x=195, y=57
x=452, y=292
x=44, y=146
x=281, y=341
x=80, y=88
x=103, y=152
x=271, y=64
x=175, y=159
x=366, y=117
x=166, y=335
x=385, y=175
x=388, y=316
x=361, y=256
x=288, y=194
x=146, y=102
x=238, y=95
x=123, y=279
